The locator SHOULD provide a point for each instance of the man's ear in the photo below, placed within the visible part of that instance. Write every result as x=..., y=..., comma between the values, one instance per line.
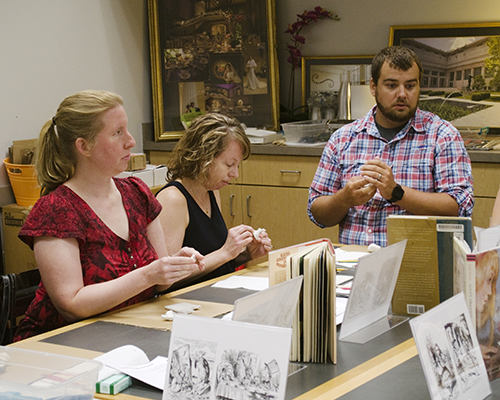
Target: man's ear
x=372, y=87
x=82, y=146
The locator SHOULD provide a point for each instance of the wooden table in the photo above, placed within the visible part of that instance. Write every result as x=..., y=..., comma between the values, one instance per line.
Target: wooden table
x=362, y=371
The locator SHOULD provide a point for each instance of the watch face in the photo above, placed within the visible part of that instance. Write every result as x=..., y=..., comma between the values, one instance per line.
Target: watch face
x=397, y=193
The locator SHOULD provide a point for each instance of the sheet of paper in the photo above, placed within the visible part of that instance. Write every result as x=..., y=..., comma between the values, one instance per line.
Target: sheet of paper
x=121, y=356
x=340, y=305
x=153, y=373
x=132, y=361
x=348, y=259
x=245, y=282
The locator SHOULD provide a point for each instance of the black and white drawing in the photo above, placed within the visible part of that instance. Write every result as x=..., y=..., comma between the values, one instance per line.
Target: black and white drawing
x=449, y=352
x=218, y=359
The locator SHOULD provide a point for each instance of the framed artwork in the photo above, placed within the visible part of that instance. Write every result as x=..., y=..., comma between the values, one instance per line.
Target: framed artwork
x=461, y=78
x=322, y=81
x=211, y=56
x=325, y=74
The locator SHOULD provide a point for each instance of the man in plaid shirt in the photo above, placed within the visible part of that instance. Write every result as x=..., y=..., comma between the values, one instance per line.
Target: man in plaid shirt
x=398, y=159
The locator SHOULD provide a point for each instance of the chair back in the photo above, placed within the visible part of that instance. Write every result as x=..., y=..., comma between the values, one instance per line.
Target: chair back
x=5, y=296
x=19, y=291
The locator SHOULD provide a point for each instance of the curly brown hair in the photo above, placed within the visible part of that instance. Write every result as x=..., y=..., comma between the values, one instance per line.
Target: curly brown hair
x=206, y=138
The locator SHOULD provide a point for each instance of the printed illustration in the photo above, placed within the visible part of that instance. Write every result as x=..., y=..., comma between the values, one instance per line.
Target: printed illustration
x=190, y=370
x=243, y=375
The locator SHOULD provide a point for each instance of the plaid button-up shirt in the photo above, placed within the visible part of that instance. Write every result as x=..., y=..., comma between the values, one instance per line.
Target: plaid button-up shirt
x=428, y=155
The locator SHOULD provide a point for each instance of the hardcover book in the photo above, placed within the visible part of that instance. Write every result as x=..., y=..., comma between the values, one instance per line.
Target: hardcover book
x=477, y=278
x=314, y=331
x=426, y=276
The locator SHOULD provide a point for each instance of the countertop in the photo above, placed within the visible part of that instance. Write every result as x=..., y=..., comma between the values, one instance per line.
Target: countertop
x=488, y=156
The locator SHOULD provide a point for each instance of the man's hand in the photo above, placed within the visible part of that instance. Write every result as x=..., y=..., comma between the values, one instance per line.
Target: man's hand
x=379, y=174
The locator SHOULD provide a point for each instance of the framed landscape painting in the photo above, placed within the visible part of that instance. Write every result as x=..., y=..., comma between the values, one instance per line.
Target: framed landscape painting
x=461, y=77
x=211, y=56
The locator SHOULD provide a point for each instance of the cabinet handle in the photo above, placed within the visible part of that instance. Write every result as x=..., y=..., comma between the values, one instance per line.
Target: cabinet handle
x=288, y=171
x=231, y=200
x=248, y=207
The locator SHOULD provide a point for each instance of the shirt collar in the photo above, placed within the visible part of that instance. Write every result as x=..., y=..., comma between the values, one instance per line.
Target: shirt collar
x=416, y=123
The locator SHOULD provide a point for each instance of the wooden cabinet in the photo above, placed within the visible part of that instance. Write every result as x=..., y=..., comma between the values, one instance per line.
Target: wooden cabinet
x=486, y=181
x=272, y=193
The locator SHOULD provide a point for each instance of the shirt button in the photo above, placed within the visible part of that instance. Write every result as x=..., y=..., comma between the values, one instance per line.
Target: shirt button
x=129, y=249
x=135, y=266
x=369, y=230
x=131, y=257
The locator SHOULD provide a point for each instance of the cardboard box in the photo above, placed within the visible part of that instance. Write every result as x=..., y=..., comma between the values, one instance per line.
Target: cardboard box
x=137, y=161
x=159, y=175
x=22, y=151
x=145, y=174
x=18, y=256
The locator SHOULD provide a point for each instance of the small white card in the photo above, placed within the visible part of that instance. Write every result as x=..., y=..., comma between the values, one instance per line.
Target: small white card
x=449, y=352
x=212, y=358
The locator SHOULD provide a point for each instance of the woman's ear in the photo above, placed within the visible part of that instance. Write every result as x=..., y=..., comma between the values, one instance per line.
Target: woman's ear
x=82, y=146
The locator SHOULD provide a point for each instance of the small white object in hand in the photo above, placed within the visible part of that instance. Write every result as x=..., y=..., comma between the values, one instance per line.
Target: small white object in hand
x=373, y=248
x=193, y=257
x=257, y=232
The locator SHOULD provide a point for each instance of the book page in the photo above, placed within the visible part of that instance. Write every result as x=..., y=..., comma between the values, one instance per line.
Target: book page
x=450, y=353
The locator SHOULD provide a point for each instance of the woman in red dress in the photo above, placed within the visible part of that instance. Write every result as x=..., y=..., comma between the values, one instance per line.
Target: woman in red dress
x=97, y=240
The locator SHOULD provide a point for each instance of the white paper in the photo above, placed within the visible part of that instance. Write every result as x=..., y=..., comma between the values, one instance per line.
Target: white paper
x=153, y=373
x=132, y=361
x=487, y=238
x=340, y=305
x=372, y=289
x=274, y=306
x=121, y=356
x=259, y=132
x=245, y=282
x=348, y=259
x=449, y=352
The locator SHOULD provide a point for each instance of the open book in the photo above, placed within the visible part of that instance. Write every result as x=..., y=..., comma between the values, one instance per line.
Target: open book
x=476, y=275
x=314, y=330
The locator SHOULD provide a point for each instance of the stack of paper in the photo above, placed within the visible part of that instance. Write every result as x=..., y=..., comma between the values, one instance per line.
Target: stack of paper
x=262, y=136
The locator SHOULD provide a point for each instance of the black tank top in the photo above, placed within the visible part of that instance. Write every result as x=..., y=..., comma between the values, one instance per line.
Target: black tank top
x=204, y=233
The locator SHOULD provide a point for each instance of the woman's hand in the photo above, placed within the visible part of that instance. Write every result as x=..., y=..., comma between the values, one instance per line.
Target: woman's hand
x=259, y=246
x=238, y=238
x=167, y=270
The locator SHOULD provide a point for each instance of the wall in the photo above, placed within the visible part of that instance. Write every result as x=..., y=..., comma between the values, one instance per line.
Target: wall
x=53, y=48
x=364, y=26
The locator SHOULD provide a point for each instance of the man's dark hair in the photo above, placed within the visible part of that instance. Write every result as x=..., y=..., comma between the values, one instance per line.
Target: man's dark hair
x=398, y=57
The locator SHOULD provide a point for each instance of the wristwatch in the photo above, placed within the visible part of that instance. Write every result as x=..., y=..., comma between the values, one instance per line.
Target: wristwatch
x=397, y=194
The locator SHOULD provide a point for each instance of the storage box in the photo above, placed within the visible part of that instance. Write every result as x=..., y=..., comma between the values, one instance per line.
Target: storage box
x=18, y=256
x=159, y=173
x=33, y=375
x=296, y=132
x=137, y=161
x=145, y=174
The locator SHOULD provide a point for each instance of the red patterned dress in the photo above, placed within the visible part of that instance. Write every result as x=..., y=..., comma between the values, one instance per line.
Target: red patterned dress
x=103, y=254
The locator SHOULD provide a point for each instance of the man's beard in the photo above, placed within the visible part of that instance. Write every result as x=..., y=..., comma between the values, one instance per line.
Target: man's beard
x=394, y=115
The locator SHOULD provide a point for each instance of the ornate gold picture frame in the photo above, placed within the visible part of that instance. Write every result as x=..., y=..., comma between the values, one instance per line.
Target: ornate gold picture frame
x=211, y=58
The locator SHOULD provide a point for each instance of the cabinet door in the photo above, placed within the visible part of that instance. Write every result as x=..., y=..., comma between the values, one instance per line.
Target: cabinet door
x=231, y=205
x=283, y=213
x=291, y=171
